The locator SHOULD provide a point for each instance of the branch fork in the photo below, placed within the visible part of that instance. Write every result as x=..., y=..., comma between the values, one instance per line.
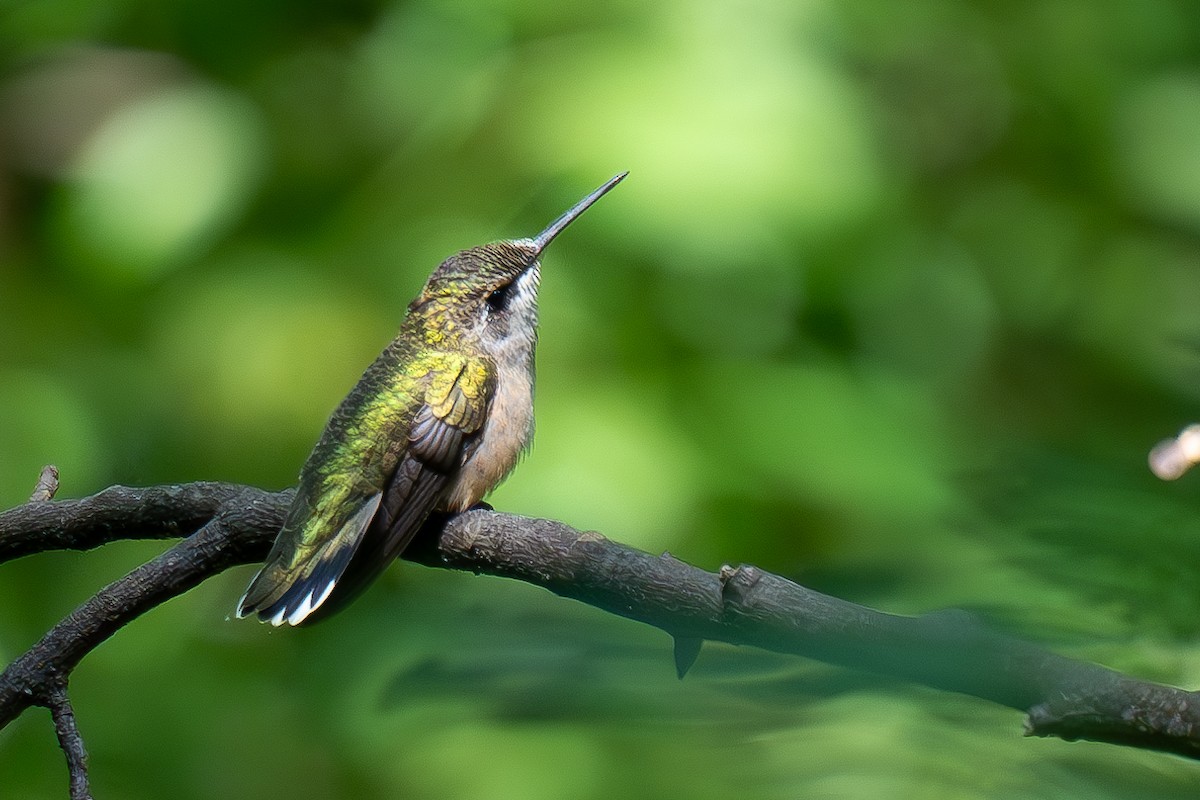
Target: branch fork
x=224, y=525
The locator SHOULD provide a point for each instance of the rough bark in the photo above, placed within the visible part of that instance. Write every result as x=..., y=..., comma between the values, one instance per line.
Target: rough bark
x=224, y=525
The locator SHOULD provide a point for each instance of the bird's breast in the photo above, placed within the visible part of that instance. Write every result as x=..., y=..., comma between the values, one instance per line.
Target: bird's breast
x=505, y=436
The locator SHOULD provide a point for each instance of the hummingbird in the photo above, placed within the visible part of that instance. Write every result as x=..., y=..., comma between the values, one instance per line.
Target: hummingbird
x=436, y=422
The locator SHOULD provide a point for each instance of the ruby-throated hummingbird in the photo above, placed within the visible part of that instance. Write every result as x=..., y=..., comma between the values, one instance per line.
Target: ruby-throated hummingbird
x=438, y=420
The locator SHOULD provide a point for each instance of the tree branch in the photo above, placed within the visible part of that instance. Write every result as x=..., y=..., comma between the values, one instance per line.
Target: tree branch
x=239, y=532
x=227, y=525
x=744, y=605
x=71, y=742
x=116, y=513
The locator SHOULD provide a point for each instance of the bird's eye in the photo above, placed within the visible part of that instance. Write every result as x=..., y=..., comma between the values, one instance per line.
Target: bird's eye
x=498, y=299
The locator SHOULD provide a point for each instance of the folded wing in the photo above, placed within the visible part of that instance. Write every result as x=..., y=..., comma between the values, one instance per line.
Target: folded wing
x=346, y=541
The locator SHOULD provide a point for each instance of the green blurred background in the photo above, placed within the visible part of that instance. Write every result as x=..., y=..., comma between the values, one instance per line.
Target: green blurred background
x=895, y=301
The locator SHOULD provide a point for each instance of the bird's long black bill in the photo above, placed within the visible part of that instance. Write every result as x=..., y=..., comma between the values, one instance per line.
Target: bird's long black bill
x=555, y=228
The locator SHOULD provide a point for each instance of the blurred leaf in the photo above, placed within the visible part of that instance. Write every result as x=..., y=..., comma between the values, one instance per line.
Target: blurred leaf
x=1160, y=159
x=162, y=178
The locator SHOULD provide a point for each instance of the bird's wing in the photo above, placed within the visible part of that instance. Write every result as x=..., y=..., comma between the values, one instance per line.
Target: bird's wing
x=352, y=527
x=444, y=433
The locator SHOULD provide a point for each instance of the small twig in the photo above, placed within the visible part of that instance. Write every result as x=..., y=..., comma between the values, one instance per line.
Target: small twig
x=47, y=485
x=70, y=741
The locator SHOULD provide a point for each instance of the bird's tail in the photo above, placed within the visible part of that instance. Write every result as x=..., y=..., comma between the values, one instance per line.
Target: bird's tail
x=289, y=588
